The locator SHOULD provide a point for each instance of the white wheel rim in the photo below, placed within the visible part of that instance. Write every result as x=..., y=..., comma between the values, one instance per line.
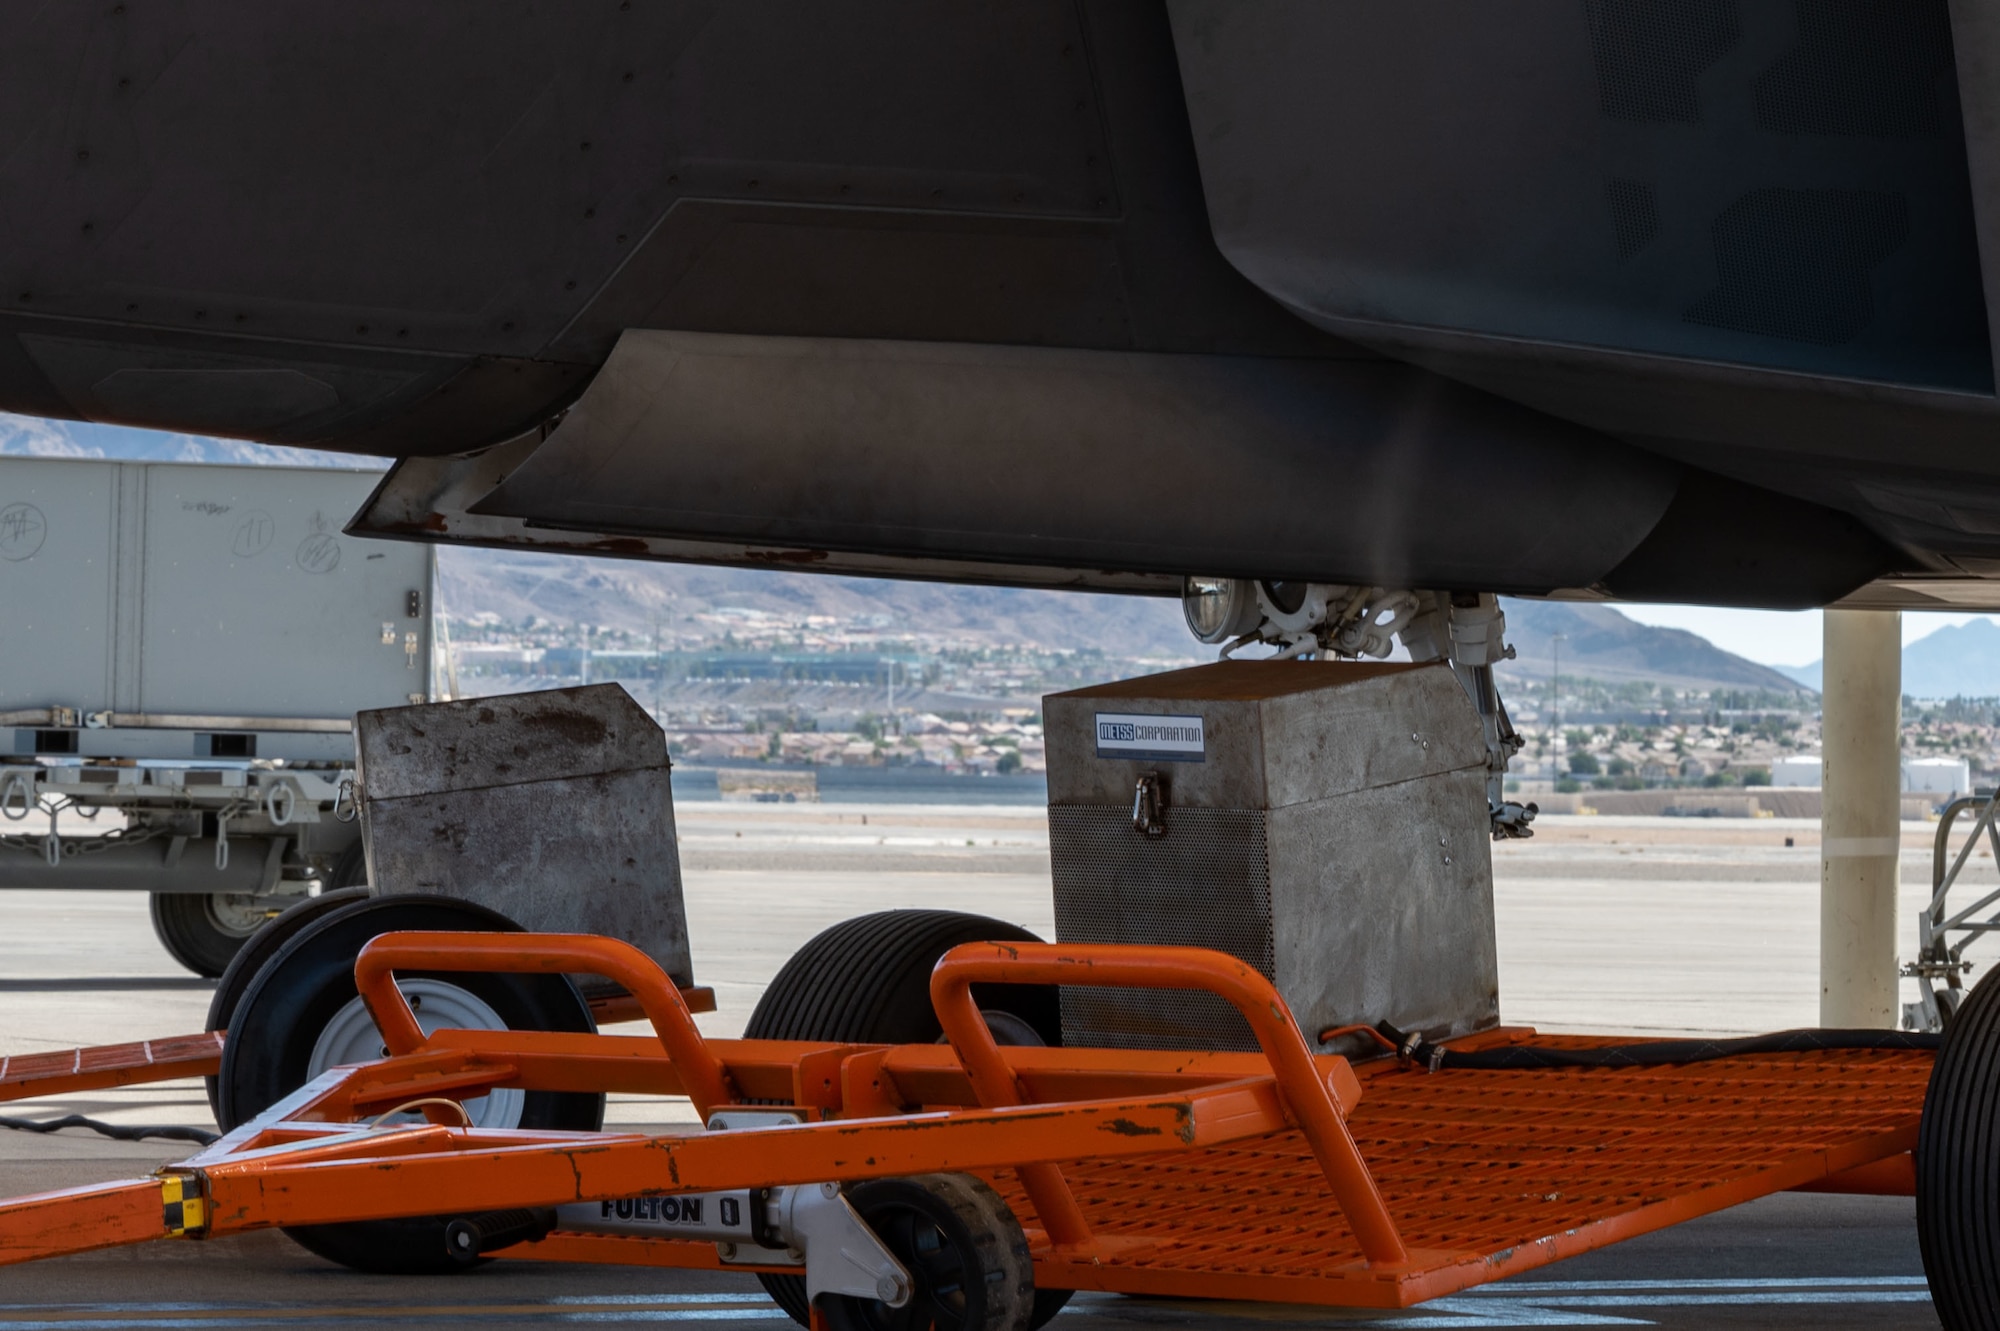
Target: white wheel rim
x=351, y=1037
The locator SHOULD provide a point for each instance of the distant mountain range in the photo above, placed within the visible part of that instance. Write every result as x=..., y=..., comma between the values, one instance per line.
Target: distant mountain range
x=1603, y=644
x=1957, y=661
x=1599, y=642
x=638, y=595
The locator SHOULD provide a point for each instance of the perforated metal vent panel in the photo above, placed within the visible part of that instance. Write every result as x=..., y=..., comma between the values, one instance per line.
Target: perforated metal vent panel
x=1651, y=54
x=1206, y=883
x=1795, y=263
x=1862, y=68
x=1635, y=215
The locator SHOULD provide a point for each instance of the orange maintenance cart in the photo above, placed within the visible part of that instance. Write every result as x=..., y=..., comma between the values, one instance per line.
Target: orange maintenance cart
x=980, y=1183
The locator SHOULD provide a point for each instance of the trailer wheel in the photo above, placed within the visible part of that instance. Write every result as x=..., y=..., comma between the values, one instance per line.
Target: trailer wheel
x=1958, y=1172
x=301, y=1013
x=250, y=958
x=204, y=930
x=867, y=981
x=964, y=1250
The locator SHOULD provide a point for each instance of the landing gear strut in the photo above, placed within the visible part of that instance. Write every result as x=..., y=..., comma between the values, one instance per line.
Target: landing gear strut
x=1466, y=630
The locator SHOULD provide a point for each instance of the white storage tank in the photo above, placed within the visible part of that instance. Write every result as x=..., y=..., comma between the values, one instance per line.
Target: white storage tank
x=1946, y=778
x=1798, y=772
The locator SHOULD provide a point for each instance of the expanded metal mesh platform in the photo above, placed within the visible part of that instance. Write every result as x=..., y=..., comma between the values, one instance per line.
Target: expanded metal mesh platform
x=1488, y=1174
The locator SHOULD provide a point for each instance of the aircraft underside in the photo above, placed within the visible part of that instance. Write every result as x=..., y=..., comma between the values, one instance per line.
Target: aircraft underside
x=1599, y=298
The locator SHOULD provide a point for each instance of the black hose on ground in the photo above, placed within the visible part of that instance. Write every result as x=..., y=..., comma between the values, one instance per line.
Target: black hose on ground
x=1650, y=1053
x=115, y=1131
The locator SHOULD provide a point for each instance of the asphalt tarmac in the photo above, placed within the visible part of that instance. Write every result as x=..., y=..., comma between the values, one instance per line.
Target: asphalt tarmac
x=1634, y=924
x=1786, y=1261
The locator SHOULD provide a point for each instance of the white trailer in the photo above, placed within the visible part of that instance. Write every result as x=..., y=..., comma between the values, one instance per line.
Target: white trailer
x=182, y=651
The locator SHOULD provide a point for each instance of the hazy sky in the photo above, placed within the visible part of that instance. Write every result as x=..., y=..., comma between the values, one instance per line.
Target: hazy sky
x=1774, y=637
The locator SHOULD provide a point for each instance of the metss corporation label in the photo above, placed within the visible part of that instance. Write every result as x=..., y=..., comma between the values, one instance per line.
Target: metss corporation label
x=1174, y=739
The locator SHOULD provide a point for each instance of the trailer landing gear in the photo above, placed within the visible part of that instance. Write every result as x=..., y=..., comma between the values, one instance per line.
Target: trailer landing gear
x=967, y=1257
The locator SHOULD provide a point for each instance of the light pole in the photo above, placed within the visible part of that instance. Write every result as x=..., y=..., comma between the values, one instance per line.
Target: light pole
x=1555, y=706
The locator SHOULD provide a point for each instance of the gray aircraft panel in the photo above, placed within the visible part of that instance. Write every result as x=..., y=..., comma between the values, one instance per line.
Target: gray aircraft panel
x=1740, y=236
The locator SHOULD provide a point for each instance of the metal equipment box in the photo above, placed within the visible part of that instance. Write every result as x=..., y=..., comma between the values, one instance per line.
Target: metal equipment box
x=149, y=596
x=553, y=808
x=1325, y=822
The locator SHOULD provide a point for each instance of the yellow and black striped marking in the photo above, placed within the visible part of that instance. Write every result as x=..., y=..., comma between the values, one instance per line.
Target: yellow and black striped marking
x=180, y=1199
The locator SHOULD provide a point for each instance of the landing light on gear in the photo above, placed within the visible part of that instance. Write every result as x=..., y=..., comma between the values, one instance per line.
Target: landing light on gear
x=1218, y=609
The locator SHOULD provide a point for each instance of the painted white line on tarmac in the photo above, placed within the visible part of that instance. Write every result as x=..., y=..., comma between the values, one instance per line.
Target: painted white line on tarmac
x=1596, y=1286
x=349, y=1316
x=1599, y=1302
x=176, y=1316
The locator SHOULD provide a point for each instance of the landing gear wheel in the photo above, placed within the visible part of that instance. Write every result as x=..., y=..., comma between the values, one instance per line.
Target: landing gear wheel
x=203, y=930
x=300, y=1014
x=1958, y=1173
x=259, y=948
x=963, y=1248
x=867, y=981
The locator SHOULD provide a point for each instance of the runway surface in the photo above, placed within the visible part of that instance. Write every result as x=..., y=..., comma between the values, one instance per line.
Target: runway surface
x=1645, y=925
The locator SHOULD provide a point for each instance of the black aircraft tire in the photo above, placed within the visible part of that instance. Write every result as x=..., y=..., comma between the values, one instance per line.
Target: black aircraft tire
x=867, y=980
x=298, y=991
x=192, y=935
x=1958, y=1167
x=250, y=959
x=961, y=1245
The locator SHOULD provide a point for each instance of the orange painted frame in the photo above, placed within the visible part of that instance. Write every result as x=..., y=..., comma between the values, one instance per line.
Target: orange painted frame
x=882, y=1111
x=304, y=1163
x=173, y=1057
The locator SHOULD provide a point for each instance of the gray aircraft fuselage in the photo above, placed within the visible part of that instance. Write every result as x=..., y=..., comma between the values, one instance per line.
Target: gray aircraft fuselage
x=1668, y=301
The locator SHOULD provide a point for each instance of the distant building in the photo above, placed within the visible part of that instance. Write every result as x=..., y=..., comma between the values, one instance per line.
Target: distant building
x=816, y=667
x=1945, y=778
x=1797, y=770
x=502, y=657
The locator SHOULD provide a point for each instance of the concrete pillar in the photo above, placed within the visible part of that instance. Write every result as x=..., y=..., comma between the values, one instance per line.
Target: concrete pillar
x=1861, y=817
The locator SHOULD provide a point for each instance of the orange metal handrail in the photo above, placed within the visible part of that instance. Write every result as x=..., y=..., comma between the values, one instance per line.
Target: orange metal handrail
x=701, y=1071
x=1125, y=965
